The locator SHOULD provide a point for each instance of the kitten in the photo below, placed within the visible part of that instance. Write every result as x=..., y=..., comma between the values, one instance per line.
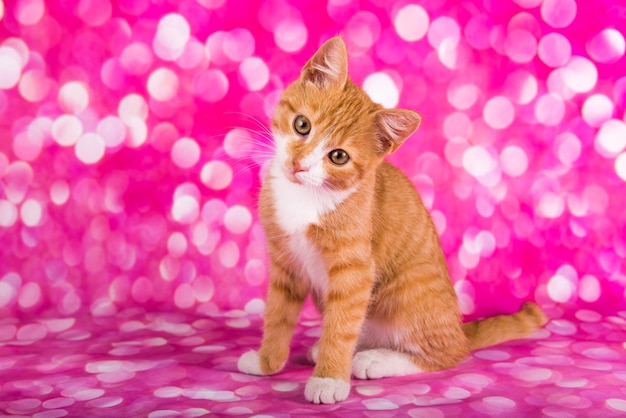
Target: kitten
x=348, y=228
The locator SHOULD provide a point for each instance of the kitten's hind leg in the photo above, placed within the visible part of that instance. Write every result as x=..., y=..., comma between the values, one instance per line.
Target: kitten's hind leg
x=313, y=352
x=382, y=362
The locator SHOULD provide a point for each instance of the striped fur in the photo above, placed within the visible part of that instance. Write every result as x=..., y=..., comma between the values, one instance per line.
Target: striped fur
x=359, y=240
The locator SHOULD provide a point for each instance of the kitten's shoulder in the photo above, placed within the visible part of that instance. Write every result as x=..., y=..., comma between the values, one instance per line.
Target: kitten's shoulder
x=390, y=175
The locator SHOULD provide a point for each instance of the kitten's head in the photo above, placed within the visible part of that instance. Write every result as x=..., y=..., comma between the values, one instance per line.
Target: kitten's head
x=328, y=132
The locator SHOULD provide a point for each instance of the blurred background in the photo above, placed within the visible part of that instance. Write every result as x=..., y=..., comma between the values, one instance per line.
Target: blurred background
x=133, y=136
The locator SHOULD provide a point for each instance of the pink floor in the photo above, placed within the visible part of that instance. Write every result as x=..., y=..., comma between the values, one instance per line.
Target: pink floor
x=132, y=263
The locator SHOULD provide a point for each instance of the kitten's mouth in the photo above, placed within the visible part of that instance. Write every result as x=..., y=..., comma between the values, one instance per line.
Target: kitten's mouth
x=292, y=177
x=300, y=177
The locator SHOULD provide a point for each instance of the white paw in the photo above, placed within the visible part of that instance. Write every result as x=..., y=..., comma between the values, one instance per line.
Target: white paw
x=326, y=390
x=250, y=363
x=313, y=353
x=374, y=364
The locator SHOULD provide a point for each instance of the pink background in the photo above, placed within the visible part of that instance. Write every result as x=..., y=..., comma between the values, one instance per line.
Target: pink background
x=132, y=138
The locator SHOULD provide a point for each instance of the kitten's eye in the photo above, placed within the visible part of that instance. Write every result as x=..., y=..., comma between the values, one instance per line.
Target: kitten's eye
x=338, y=157
x=302, y=125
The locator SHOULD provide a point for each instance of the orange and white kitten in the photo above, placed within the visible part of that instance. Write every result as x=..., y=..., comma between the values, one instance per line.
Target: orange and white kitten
x=348, y=228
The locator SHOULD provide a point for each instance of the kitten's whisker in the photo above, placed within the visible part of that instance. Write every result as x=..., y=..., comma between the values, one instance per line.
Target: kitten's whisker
x=264, y=100
x=257, y=121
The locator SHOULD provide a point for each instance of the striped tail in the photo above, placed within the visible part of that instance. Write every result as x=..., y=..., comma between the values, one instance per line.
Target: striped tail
x=501, y=328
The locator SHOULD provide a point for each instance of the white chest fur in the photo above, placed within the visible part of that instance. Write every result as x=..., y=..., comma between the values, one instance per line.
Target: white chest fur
x=297, y=207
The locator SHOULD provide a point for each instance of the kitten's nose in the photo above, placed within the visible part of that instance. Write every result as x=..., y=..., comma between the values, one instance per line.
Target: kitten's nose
x=297, y=168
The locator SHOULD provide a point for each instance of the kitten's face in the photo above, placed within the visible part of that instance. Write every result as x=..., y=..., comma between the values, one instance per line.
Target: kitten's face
x=328, y=132
x=326, y=137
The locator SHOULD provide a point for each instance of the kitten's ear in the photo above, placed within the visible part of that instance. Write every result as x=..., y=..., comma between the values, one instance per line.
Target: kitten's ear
x=395, y=126
x=329, y=66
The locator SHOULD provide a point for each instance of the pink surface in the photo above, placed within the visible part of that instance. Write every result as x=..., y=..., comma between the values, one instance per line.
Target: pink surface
x=132, y=264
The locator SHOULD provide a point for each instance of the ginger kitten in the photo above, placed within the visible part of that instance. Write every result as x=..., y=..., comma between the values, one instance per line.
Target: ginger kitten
x=349, y=228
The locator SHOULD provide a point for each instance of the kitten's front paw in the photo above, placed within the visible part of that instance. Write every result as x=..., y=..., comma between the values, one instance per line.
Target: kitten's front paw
x=378, y=363
x=250, y=363
x=326, y=390
x=368, y=364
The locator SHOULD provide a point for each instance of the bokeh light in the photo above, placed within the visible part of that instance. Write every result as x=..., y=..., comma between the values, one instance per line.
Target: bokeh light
x=382, y=89
x=135, y=137
x=411, y=22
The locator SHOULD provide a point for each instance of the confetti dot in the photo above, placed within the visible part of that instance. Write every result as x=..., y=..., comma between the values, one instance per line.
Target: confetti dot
x=185, y=209
x=494, y=355
x=290, y=35
x=514, y=161
x=229, y=254
x=363, y=29
x=27, y=146
x=611, y=138
x=562, y=327
x=31, y=212
x=34, y=85
x=254, y=73
x=580, y=74
x=29, y=12
x=499, y=402
x=457, y=125
x=216, y=175
x=554, y=50
x=444, y=31
x=30, y=295
x=7, y=294
x=597, y=109
x=520, y=46
x=379, y=405
x=211, y=85
x=112, y=130
x=136, y=58
x=499, y=112
x=238, y=143
x=184, y=296
x=173, y=32
x=568, y=148
x=549, y=109
x=185, y=153
x=560, y=288
x=255, y=307
x=473, y=380
x=168, y=392
x=477, y=161
x=558, y=13
x=616, y=404
x=163, y=84
x=411, y=22
x=237, y=219
x=31, y=332
x=131, y=107
x=10, y=67
x=521, y=87
x=381, y=89
x=177, y=244
x=59, y=192
x=94, y=12
x=607, y=46
x=463, y=97
x=90, y=148
x=477, y=31
x=73, y=97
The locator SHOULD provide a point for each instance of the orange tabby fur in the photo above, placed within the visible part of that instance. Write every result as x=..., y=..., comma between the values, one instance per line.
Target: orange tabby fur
x=381, y=281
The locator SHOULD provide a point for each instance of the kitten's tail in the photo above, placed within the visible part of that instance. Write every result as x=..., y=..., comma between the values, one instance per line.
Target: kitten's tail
x=501, y=328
